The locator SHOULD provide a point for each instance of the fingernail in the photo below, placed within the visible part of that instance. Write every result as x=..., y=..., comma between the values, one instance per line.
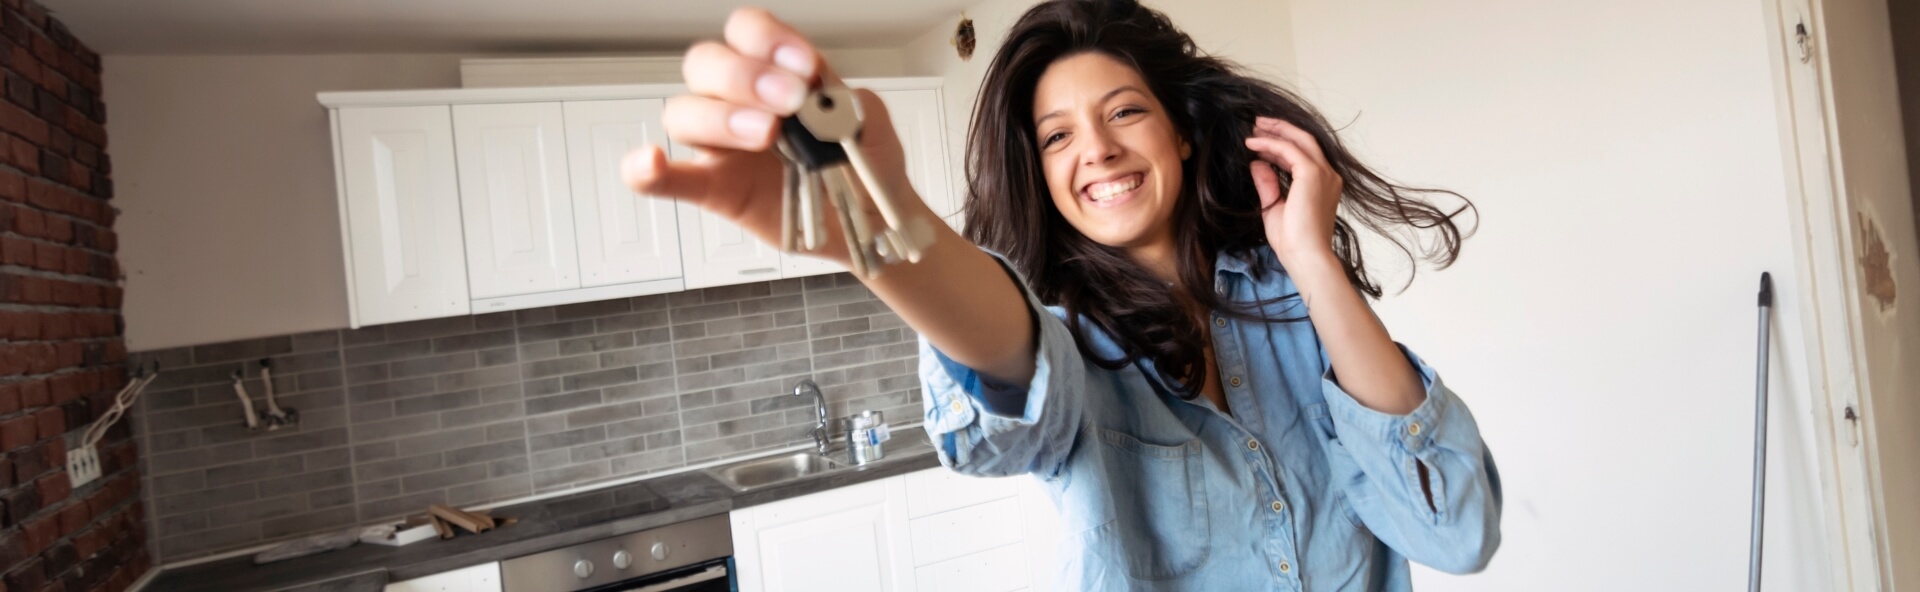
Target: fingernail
x=750, y=124
x=798, y=61
x=779, y=91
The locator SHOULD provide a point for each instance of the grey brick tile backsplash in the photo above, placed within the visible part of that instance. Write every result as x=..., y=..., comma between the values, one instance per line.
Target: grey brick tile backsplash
x=470, y=410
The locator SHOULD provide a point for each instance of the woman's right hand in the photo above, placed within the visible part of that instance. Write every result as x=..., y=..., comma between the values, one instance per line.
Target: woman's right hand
x=740, y=89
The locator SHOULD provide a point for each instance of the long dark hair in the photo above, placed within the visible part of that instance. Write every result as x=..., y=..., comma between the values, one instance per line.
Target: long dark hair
x=1213, y=103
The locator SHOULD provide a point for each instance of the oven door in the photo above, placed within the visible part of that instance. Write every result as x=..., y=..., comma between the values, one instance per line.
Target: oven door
x=712, y=576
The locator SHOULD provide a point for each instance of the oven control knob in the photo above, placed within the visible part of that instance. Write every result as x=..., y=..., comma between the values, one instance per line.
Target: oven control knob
x=660, y=551
x=583, y=568
x=622, y=559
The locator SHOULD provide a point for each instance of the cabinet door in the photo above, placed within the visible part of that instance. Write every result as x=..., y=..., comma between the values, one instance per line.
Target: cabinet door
x=718, y=253
x=479, y=578
x=918, y=120
x=400, y=214
x=624, y=237
x=848, y=539
x=515, y=199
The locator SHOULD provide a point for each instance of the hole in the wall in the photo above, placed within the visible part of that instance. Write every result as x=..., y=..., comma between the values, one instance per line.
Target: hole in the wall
x=963, y=38
x=1876, y=264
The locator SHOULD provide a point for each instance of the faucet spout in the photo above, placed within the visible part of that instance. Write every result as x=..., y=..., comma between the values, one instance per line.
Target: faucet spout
x=821, y=438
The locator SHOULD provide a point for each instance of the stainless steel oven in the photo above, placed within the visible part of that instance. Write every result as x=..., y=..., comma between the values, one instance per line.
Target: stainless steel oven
x=692, y=556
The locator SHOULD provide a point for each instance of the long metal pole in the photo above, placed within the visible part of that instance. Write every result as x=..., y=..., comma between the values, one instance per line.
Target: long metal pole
x=1760, y=439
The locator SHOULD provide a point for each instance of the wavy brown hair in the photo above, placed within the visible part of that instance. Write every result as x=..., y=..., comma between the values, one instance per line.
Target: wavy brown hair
x=1213, y=103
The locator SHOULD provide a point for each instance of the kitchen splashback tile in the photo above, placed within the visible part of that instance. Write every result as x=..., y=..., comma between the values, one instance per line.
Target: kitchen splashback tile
x=478, y=409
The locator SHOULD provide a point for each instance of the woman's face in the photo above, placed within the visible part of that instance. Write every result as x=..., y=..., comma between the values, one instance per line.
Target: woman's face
x=1111, y=155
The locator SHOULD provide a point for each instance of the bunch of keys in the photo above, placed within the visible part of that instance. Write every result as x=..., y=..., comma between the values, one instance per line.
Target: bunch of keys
x=819, y=144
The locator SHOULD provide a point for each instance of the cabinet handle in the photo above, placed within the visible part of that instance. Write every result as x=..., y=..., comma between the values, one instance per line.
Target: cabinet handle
x=759, y=270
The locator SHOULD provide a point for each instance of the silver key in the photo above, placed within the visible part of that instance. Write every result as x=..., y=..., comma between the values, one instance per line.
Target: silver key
x=832, y=114
x=790, y=207
x=840, y=192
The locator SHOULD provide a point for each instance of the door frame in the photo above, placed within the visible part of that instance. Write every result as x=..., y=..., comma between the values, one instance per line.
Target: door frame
x=1822, y=229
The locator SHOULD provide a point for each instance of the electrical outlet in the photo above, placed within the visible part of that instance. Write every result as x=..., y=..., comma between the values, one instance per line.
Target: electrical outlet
x=83, y=465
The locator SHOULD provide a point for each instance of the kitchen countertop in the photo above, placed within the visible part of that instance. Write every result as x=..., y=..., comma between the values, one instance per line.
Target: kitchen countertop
x=543, y=525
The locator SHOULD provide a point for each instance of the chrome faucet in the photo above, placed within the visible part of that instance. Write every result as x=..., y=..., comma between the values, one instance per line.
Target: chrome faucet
x=821, y=438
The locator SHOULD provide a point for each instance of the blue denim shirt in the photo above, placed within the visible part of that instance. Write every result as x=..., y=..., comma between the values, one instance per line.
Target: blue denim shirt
x=1301, y=488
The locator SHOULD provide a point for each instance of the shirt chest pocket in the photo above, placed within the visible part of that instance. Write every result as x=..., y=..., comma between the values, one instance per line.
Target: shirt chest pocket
x=1158, y=492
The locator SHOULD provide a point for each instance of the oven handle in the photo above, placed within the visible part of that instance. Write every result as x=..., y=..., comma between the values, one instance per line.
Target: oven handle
x=711, y=573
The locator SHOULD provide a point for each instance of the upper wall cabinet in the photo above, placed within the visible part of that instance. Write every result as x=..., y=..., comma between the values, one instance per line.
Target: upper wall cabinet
x=400, y=213
x=479, y=200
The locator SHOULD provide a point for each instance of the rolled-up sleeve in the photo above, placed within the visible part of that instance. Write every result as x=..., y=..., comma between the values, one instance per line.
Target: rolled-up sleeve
x=1455, y=529
x=983, y=426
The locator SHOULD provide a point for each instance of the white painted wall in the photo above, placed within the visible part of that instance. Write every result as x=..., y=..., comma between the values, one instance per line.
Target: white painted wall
x=224, y=174
x=1627, y=163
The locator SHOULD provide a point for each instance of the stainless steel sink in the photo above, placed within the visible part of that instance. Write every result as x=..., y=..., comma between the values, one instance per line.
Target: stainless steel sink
x=773, y=470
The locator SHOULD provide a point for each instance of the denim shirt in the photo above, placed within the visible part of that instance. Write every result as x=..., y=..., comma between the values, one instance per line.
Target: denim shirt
x=1301, y=488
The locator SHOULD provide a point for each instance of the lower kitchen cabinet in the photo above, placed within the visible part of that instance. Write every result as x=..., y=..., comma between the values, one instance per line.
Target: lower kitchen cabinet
x=479, y=578
x=929, y=531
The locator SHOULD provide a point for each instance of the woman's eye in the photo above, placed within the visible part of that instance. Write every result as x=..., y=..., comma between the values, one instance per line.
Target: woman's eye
x=1054, y=137
x=1127, y=111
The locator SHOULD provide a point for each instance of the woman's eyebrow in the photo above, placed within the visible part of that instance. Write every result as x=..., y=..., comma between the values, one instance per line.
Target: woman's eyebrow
x=1103, y=98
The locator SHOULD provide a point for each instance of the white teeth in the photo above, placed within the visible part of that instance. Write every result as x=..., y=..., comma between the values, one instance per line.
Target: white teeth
x=1106, y=191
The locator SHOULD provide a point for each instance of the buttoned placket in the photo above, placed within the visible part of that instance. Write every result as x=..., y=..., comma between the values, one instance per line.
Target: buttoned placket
x=1282, y=548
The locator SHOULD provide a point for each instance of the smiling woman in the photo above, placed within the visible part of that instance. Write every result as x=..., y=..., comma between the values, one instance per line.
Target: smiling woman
x=1176, y=340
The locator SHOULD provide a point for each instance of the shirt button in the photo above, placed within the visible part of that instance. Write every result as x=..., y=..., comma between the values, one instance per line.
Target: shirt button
x=1235, y=381
x=1219, y=321
x=1413, y=429
x=1277, y=506
x=1253, y=444
x=1286, y=567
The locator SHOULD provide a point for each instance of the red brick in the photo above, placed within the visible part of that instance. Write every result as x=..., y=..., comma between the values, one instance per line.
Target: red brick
x=54, y=488
x=51, y=421
x=59, y=229
x=23, y=155
x=19, y=326
x=84, y=128
x=90, y=541
x=49, y=258
x=13, y=186
x=67, y=387
x=22, y=123
x=29, y=222
x=18, y=432
x=34, y=394
x=9, y=403
x=44, y=49
x=74, y=517
x=68, y=355
x=42, y=532
x=16, y=251
x=29, y=577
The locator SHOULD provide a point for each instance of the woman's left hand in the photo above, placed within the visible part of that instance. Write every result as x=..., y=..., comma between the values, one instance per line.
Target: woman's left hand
x=1299, y=225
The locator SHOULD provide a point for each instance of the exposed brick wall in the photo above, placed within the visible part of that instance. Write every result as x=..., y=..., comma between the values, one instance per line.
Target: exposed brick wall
x=61, y=354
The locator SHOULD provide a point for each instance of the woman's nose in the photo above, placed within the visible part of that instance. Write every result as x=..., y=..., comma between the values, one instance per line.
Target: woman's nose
x=1099, y=147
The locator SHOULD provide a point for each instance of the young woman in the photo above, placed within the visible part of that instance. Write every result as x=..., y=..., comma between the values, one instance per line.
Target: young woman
x=1174, y=336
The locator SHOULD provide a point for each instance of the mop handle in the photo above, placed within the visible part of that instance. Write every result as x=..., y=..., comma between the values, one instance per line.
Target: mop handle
x=1760, y=439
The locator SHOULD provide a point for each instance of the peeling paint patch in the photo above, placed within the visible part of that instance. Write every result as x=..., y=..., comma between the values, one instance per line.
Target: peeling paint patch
x=1876, y=264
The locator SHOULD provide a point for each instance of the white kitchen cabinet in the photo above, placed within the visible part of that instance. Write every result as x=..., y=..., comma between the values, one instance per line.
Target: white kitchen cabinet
x=919, y=121
x=400, y=214
x=719, y=253
x=624, y=237
x=515, y=199
x=479, y=578
x=851, y=539
x=928, y=531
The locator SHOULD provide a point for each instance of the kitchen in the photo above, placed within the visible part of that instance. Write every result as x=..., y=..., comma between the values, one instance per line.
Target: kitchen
x=626, y=384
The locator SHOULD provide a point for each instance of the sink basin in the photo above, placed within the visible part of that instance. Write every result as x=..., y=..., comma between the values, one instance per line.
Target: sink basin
x=778, y=469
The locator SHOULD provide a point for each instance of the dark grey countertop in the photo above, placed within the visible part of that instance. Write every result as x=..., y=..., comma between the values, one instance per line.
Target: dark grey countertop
x=541, y=527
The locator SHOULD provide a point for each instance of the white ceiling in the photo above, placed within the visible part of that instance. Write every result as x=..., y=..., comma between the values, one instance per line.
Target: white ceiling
x=119, y=27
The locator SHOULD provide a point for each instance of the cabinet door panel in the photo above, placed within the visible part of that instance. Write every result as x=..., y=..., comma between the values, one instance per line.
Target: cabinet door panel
x=624, y=237
x=515, y=198
x=995, y=570
x=401, y=214
x=843, y=551
x=718, y=253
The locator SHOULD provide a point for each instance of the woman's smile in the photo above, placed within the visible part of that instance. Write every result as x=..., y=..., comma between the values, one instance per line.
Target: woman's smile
x=1113, y=191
